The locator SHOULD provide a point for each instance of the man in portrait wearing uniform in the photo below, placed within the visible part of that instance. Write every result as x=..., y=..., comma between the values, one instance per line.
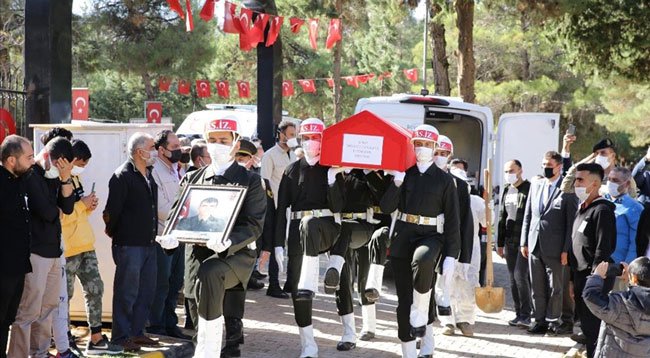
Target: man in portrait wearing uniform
x=221, y=264
x=427, y=227
x=206, y=220
x=315, y=194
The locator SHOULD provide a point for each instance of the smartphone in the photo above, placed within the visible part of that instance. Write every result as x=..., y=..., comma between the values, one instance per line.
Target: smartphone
x=614, y=270
x=571, y=130
x=92, y=190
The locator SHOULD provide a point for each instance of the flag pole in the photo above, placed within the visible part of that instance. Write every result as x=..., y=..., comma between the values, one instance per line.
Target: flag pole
x=424, y=91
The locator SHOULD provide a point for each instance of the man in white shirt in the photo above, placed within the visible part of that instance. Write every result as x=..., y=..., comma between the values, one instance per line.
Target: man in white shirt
x=162, y=318
x=276, y=159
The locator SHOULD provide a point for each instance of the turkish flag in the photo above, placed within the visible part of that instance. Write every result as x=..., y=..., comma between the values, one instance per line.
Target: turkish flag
x=207, y=12
x=274, y=30
x=176, y=7
x=333, y=33
x=80, y=103
x=223, y=89
x=153, y=111
x=385, y=75
x=244, y=89
x=183, y=87
x=245, y=21
x=313, y=33
x=308, y=86
x=352, y=81
x=228, y=21
x=256, y=34
x=330, y=82
x=163, y=84
x=295, y=24
x=189, y=20
x=202, y=88
x=411, y=74
x=363, y=78
x=287, y=88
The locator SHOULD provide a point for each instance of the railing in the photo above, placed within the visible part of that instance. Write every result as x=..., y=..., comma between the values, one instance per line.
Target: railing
x=13, y=99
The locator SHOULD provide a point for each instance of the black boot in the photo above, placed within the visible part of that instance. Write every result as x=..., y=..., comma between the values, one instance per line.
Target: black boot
x=234, y=332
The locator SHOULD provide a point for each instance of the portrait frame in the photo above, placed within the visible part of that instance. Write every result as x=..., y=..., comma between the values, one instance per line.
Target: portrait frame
x=204, y=212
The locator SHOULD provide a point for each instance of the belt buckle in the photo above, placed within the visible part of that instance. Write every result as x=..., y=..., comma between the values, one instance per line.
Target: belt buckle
x=347, y=216
x=317, y=213
x=413, y=219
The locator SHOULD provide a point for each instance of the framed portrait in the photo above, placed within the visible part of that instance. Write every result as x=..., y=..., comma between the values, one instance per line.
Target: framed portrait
x=205, y=212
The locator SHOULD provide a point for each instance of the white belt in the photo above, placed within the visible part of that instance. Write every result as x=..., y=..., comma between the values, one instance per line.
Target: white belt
x=438, y=221
x=319, y=213
x=354, y=216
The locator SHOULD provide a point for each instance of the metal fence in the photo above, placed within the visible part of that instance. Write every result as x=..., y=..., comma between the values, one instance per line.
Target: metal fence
x=13, y=98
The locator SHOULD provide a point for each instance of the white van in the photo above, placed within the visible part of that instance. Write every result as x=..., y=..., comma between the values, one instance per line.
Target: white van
x=522, y=136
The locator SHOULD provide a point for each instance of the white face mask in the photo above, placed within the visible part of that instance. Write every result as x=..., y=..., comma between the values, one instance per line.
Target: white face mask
x=153, y=154
x=511, y=178
x=53, y=172
x=441, y=162
x=292, y=142
x=219, y=153
x=311, y=148
x=76, y=171
x=423, y=154
x=603, y=161
x=612, y=189
x=458, y=172
x=581, y=193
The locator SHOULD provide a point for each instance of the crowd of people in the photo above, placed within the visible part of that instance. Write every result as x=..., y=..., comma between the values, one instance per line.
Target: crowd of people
x=573, y=238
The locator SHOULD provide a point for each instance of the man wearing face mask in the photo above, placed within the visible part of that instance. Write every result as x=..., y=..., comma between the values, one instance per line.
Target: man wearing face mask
x=49, y=190
x=165, y=172
x=427, y=228
x=199, y=154
x=444, y=280
x=315, y=195
x=131, y=218
x=628, y=212
x=593, y=242
x=17, y=158
x=511, y=218
x=221, y=265
x=546, y=242
x=276, y=159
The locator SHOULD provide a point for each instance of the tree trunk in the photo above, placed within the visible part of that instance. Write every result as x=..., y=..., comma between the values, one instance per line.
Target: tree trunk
x=440, y=62
x=525, y=59
x=466, y=64
x=338, y=52
x=148, y=88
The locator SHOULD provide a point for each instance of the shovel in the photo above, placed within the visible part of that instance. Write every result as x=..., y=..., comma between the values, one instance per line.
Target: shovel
x=489, y=299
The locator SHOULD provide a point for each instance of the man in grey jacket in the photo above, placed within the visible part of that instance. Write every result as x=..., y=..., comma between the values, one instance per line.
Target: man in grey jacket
x=625, y=331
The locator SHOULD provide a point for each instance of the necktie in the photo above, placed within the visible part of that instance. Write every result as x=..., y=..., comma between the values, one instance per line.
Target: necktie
x=546, y=194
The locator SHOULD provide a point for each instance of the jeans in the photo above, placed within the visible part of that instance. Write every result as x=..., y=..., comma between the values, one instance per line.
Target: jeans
x=133, y=289
x=519, y=280
x=168, y=283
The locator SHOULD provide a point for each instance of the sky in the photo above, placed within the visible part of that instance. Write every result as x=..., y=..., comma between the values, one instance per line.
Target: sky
x=78, y=6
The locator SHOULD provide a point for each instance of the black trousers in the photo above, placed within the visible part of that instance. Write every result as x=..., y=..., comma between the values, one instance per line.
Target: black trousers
x=589, y=323
x=547, y=276
x=414, y=273
x=11, y=291
x=309, y=236
x=378, y=245
x=358, y=233
x=215, y=279
x=274, y=281
x=519, y=280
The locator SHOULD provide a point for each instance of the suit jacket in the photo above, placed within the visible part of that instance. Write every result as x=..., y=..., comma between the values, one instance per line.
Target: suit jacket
x=551, y=227
x=643, y=232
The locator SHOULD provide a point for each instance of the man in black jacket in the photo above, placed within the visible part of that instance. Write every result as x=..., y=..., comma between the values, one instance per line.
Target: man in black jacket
x=594, y=240
x=643, y=233
x=131, y=222
x=17, y=158
x=49, y=190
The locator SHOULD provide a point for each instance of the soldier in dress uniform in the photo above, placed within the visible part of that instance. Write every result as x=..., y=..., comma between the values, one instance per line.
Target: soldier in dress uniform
x=426, y=228
x=222, y=264
x=315, y=195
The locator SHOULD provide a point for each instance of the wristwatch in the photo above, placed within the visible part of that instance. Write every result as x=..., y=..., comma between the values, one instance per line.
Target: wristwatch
x=69, y=181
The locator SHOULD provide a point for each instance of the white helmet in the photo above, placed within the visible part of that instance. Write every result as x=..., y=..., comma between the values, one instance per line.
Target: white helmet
x=425, y=132
x=221, y=125
x=311, y=126
x=444, y=143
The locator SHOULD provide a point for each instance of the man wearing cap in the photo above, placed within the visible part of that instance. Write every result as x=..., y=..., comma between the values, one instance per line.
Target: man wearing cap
x=427, y=226
x=315, y=195
x=221, y=264
x=460, y=318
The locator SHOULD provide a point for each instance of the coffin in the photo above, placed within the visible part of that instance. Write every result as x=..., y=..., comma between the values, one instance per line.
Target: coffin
x=366, y=141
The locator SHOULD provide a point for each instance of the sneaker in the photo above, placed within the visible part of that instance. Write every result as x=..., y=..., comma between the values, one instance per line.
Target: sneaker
x=144, y=341
x=579, y=338
x=449, y=330
x=514, y=322
x=129, y=345
x=524, y=323
x=67, y=354
x=465, y=329
x=103, y=347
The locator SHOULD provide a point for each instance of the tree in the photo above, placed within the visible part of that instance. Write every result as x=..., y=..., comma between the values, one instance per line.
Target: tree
x=466, y=63
x=440, y=63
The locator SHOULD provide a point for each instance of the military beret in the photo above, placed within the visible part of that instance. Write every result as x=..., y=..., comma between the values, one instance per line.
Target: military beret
x=246, y=148
x=605, y=143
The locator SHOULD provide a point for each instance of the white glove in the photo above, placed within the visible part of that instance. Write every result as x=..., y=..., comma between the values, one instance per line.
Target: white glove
x=448, y=267
x=464, y=269
x=279, y=258
x=217, y=245
x=167, y=242
x=398, y=176
x=331, y=174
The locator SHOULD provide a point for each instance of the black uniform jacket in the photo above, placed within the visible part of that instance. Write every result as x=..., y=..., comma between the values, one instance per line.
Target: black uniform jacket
x=594, y=235
x=15, y=226
x=304, y=187
x=268, y=234
x=427, y=194
x=248, y=225
x=358, y=192
x=45, y=199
